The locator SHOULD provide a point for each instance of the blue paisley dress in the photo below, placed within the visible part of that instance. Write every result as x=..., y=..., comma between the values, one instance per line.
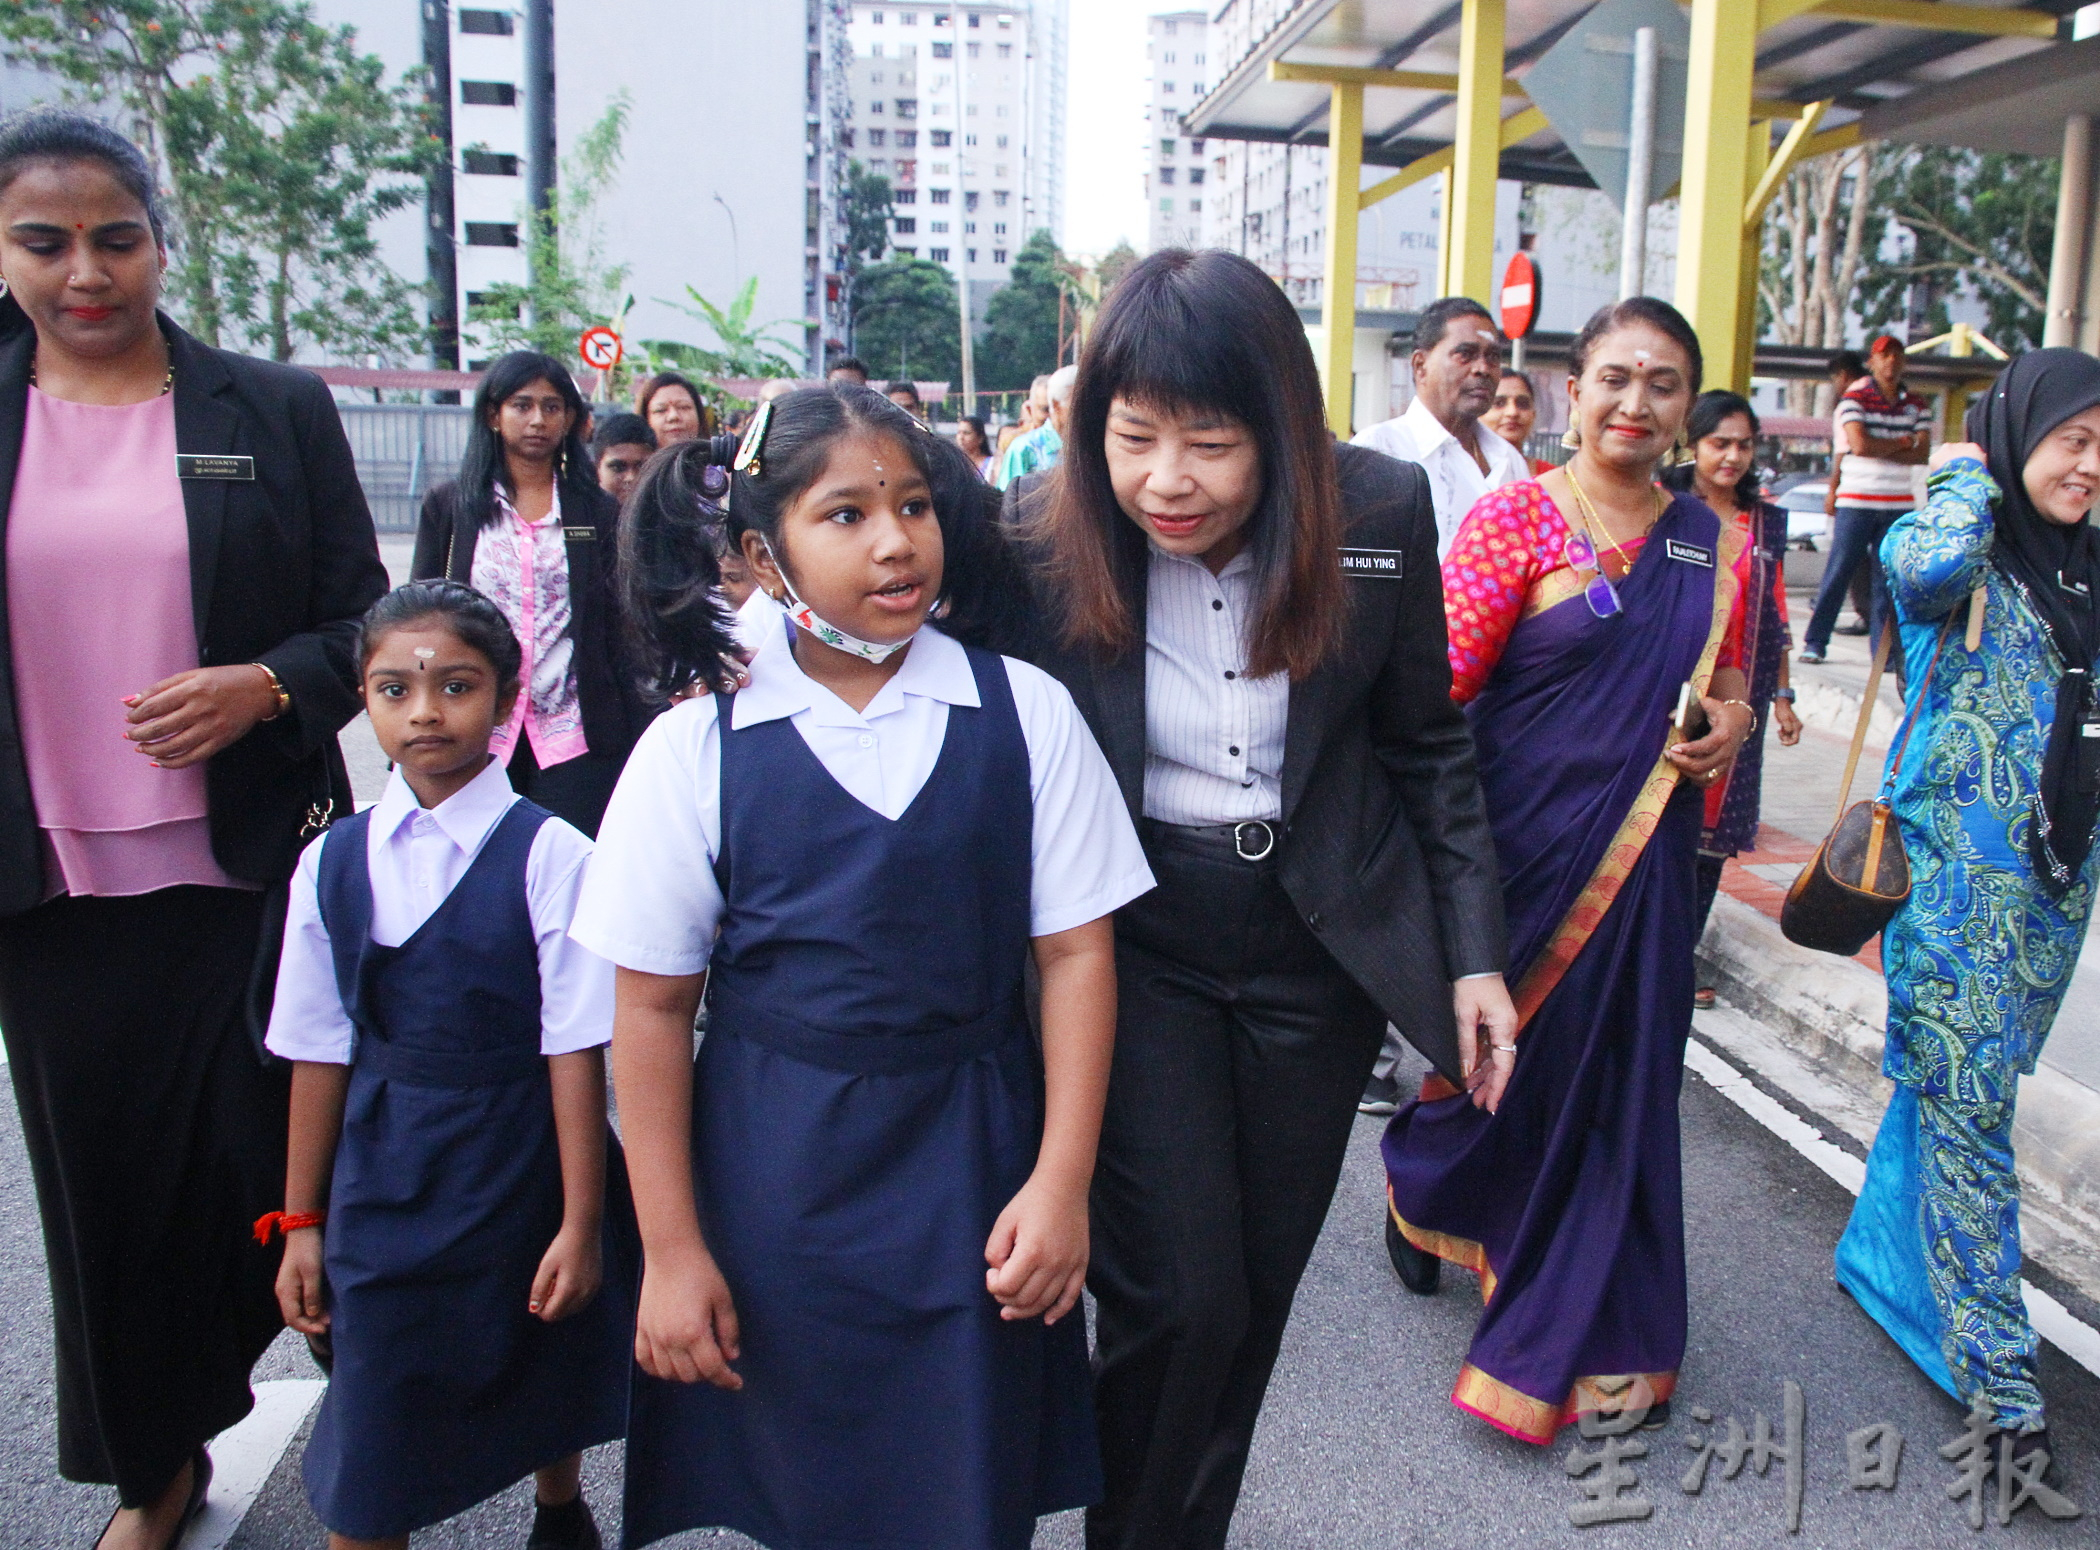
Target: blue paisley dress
x=1977, y=963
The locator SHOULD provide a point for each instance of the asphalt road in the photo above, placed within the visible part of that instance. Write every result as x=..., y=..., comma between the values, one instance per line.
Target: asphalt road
x=1359, y=1446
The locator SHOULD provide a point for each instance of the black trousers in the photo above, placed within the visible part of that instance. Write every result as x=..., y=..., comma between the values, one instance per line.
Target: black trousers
x=156, y=1137
x=1241, y=1049
x=575, y=790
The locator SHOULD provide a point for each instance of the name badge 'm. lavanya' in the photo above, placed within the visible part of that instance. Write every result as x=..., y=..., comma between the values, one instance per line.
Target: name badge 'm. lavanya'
x=1691, y=554
x=1382, y=563
x=212, y=465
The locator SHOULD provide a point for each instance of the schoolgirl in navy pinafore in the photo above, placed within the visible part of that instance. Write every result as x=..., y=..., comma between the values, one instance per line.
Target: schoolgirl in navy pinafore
x=867, y=1101
x=446, y=1193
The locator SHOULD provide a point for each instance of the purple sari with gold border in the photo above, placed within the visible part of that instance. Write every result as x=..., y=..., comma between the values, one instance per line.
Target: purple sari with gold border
x=1568, y=1200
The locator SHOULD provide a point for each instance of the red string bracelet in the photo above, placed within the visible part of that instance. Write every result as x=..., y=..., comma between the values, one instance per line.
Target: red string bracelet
x=286, y=1222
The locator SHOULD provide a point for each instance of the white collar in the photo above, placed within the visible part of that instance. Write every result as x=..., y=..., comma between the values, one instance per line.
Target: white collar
x=934, y=668
x=1428, y=432
x=504, y=505
x=1243, y=561
x=465, y=817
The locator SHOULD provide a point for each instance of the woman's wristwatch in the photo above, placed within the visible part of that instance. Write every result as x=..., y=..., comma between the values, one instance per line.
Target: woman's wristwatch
x=1786, y=694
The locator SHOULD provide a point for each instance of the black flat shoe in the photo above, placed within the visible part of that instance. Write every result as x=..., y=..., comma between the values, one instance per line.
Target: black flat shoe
x=567, y=1527
x=1418, y=1272
x=200, y=1486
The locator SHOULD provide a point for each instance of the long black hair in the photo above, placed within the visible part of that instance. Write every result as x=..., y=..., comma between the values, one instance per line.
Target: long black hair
x=668, y=570
x=1709, y=409
x=483, y=465
x=477, y=622
x=63, y=134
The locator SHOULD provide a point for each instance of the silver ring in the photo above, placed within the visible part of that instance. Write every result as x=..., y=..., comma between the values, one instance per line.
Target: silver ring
x=1268, y=839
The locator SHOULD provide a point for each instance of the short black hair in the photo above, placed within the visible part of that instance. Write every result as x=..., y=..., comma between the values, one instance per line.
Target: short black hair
x=620, y=430
x=848, y=363
x=1850, y=362
x=903, y=386
x=1437, y=316
x=477, y=622
x=61, y=134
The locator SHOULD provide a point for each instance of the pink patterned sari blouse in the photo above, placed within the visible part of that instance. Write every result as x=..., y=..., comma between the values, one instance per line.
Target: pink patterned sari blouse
x=523, y=568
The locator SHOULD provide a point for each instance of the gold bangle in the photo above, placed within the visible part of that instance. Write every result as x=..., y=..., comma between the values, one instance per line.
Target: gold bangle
x=284, y=695
x=1750, y=708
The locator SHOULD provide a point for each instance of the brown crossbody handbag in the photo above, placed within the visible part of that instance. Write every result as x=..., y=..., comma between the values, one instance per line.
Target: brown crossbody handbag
x=1860, y=875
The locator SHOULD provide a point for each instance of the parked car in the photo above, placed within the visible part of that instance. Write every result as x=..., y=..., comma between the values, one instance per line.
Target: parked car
x=1803, y=503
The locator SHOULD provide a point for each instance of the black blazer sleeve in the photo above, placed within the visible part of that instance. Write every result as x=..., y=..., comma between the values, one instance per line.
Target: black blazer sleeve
x=433, y=553
x=1419, y=734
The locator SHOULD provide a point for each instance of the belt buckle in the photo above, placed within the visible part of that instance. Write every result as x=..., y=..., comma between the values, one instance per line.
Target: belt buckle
x=1239, y=839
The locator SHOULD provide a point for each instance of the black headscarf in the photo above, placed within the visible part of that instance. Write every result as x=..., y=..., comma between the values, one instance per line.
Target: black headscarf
x=2059, y=567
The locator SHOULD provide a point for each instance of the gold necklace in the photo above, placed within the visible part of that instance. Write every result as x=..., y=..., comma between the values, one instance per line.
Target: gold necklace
x=1591, y=519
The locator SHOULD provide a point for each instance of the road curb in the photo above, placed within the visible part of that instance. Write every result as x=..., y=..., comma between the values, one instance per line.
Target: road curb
x=1829, y=1012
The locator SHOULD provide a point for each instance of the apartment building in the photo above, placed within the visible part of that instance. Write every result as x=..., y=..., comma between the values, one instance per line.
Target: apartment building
x=1176, y=166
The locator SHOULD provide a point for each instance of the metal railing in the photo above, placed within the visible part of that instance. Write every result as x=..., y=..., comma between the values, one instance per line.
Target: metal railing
x=401, y=451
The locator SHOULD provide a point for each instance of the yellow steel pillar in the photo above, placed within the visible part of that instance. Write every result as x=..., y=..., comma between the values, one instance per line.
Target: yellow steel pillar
x=1345, y=159
x=1759, y=153
x=1717, y=181
x=1468, y=258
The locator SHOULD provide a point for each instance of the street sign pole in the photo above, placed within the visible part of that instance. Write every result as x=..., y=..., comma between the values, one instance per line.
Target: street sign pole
x=1640, y=164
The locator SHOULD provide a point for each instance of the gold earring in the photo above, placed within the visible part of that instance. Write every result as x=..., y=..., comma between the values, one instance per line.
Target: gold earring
x=1571, y=438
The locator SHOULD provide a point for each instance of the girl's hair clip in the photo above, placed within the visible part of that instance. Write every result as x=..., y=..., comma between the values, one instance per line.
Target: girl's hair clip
x=747, y=455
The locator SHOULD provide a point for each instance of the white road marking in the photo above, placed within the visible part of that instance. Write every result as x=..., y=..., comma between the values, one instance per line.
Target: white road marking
x=2052, y=1320
x=243, y=1457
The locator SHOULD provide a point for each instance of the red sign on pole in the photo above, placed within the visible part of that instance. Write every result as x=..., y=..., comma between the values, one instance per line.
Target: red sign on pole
x=1520, y=296
x=600, y=348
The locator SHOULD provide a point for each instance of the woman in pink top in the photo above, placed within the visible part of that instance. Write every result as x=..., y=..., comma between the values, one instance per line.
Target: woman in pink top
x=526, y=525
x=186, y=556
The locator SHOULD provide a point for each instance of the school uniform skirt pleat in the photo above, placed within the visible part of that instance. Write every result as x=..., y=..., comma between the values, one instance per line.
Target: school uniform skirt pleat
x=156, y=1136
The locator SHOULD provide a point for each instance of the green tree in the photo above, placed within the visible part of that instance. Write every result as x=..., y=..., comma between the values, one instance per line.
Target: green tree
x=570, y=285
x=868, y=202
x=747, y=349
x=1116, y=263
x=278, y=146
x=1019, y=338
x=906, y=323
x=1979, y=224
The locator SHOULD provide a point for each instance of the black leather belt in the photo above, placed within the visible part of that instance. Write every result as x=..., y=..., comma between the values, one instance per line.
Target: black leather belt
x=1253, y=839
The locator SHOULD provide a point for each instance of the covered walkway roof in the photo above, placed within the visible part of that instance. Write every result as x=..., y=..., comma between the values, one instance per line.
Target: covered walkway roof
x=1436, y=88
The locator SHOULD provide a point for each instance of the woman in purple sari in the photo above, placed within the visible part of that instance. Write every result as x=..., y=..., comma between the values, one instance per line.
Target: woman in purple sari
x=1580, y=605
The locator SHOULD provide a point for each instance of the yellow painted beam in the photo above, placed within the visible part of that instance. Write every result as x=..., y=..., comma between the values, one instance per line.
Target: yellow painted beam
x=1518, y=126
x=1842, y=138
x=1345, y=153
x=1760, y=157
x=1469, y=260
x=1354, y=75
x=1782, y=163
x=1716, y=183
x=1986, y=20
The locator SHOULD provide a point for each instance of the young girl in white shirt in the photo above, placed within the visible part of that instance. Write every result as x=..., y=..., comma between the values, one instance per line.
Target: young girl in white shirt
x=445, y=1197
x=864, y=1206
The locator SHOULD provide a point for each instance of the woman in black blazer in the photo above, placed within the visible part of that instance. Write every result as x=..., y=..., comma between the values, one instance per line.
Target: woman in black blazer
x=1251, y=620
x=526, y=524
x=187, y=555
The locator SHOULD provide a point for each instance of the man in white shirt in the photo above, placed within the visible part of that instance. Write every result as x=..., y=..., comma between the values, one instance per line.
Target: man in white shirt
x=1457, y=363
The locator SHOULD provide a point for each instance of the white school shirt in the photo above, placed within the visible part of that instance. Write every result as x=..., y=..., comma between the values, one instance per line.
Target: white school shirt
x=417, y=857
x=1213, y=736
x=652, y=903
x=1455, y=480
x=759, y=617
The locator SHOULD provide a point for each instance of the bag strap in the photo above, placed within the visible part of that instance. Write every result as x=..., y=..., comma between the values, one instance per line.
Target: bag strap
x=1866, y=713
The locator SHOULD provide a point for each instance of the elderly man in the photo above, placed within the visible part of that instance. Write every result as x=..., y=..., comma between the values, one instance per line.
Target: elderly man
x=1042, y=447
x=1457, y=362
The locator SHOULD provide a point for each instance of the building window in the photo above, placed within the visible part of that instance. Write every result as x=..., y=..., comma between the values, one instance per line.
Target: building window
x=1196, y=90
x=1166, y=147
x=999, y=169
x=875, y=51
x=1195, y=205
x=488, y=24
x=488, y=164
x=492, y=234
x=944, y=51
x=969, y=228
x=846, y=138
x=907, y=107
x=1197, y=57
x=976, y=48
x=874, y=77
x=970, y=254
x=940, y=169
x=969, y=139
x=908, y=18
x=879, y=165
x=998, y=255
x=938, y=195
x=1166, y=176
x=999, y=197
x=973, y=18
x=1006, y=50
x=938, y=255
x=1195, y=174
x=1195, y=148
x=940, y=19
x=1001, y=142
x=875, y=106
x=907, y=252
x=970, y=199
x=998, y=228
x=1006, y=21
x=943, y=137
x=877, y=136
x=1166, y=88
x=875, y=17
x=907, y=169
x=1166, y=207
x=904, y=196
x=906, y=139
x=939, y=228
x=906, y=225
x=1169, y=29
x=482, y=299
x=1002, y=109
x=488, y=94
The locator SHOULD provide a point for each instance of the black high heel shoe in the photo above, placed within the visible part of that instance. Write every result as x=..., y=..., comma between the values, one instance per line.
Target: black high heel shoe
x=1419, y=1272
x=192, y=1509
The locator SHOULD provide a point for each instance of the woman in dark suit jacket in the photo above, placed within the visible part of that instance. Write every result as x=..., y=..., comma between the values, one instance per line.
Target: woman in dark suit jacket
x=187, y=555
x=526, y=524
x=1251, y=620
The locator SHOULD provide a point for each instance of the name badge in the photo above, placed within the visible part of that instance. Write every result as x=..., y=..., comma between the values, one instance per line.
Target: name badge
x=1691, y=554
x=1384, y=563
x=577, y=534
x=208, y=465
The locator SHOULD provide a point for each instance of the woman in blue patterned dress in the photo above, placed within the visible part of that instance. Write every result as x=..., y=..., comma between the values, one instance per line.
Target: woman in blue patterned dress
x=1997, y=819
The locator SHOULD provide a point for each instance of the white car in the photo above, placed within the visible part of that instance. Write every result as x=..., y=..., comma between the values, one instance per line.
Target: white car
x=1805, y=521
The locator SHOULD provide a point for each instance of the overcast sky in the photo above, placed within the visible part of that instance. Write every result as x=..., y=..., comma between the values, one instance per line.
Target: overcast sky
x=1107, y=97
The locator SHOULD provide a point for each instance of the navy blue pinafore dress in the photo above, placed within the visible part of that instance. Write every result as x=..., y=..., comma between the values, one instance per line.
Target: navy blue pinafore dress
x=446, y=1193
x=867, y=1101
